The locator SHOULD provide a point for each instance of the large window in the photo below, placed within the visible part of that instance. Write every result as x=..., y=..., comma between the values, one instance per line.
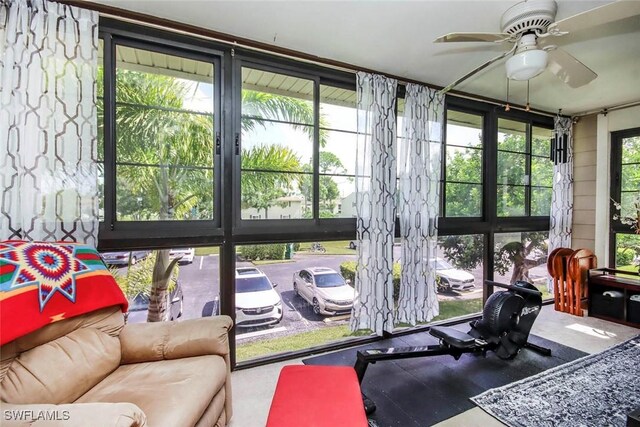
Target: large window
x=258, y=198
x=284, y=173
x=460, y=274
x=292, y=296
x=278, y=126
x=525, y=171
x=625, y=192
x=159, y=130
x=541, y=171
x=512, y=168
x=338, y=142
x=463, y=165
x=192, y=289
x=164, y=137
x=522, y=256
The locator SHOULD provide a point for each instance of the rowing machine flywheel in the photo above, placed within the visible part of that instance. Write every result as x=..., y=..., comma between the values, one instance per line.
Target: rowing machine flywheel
x=501, y=311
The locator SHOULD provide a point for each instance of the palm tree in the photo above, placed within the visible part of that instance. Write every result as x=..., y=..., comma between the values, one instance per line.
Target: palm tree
x=158, y=145
x=257, y=106
x=260, y=190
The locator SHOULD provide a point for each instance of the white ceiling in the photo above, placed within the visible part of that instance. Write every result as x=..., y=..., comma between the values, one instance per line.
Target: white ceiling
x=395, y=37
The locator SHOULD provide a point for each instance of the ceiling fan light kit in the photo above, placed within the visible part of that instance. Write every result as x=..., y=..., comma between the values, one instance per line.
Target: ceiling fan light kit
x=527, y=64
x=531, y=26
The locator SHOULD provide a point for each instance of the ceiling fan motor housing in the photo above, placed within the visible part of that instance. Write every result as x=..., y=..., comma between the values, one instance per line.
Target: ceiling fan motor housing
x=529, y=16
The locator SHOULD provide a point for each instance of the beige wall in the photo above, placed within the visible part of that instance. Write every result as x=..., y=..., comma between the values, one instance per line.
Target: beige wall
x=584, y=176
x=592, y=158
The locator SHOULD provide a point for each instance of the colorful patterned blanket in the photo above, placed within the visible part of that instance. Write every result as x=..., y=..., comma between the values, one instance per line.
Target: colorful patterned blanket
x=41, y=283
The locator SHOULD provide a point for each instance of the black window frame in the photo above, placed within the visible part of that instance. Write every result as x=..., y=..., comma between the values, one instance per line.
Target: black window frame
x=287, y=230
x=114, y=234
x=489, y=223
x=615, y=190
x=228, y=233
x=531, y=122
x=443, y=172
x=276, y=224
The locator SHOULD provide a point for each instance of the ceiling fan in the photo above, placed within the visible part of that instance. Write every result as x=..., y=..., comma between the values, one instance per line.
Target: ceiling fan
x=531, y=27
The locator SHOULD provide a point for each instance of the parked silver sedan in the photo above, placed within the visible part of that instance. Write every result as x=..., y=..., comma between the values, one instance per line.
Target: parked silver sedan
x=124, y=258
x=325, y=289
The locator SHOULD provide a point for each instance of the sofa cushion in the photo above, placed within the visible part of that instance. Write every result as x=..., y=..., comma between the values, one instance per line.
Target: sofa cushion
x=61, y=370
x=170, y=392
x=146, y=342
x=108, y=320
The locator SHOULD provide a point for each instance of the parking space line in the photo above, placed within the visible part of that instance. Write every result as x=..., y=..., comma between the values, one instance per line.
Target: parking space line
x=336, y=318
x=305, y=321
x=260, y=333
x=201, y=259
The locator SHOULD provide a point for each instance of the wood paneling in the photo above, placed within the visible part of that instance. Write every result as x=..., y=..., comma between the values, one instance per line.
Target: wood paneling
x=584, y=175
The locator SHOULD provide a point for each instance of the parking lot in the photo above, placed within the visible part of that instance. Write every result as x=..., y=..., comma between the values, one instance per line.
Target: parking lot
x=200, y=284
x=201, y=289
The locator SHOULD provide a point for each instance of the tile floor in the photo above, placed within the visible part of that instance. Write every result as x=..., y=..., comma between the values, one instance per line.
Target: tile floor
x=253, y=388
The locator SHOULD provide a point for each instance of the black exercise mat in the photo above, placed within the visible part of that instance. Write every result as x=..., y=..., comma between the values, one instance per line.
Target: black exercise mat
x=424, y=391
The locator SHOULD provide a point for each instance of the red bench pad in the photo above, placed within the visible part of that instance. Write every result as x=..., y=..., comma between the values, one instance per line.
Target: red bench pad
x=317, y=396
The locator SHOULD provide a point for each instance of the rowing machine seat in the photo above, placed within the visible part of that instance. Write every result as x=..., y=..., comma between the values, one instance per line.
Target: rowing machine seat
x=453, y=337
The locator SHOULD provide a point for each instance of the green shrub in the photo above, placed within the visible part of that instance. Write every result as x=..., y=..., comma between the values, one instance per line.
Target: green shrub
x=262, y=252
x=348, y=271
x=624, y=257
x=296, y=247
x=137, y=279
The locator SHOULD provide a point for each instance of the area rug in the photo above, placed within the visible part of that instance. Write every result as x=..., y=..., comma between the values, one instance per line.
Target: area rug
x=424, y=391
x=596, y=390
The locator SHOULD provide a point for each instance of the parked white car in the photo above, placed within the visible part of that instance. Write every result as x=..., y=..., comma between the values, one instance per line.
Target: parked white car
x=186, y=255
x=257, y=303
x=453, y=278
x=325, y=289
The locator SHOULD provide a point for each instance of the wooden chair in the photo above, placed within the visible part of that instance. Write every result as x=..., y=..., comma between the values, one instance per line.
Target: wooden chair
x=557, y=268
x=578, y=264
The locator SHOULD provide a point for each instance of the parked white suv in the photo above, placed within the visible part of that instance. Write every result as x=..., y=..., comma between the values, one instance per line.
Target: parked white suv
x=453, y=278
x=257, y=303
x=324, y=289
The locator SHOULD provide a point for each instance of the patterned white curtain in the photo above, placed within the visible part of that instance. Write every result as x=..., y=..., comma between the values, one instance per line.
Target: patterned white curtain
x=48, y=122
x=420, y=168
x=562, y=199
x=375, y=203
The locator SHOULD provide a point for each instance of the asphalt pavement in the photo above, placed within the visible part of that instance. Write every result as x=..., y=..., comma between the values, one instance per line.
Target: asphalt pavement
x=200, y=282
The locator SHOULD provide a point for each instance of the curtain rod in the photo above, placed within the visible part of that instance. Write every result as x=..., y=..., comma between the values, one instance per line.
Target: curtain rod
x=168, y=24
x=609, y=109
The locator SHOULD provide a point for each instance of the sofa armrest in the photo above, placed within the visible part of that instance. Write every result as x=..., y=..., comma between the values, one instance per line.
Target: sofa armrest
x=148, y=342
x=73, y=415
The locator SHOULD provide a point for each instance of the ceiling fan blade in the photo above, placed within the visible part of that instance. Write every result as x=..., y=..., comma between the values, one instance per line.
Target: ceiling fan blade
x=477, y=70
x=472, y=37
x=600, y=15
x=568, y=69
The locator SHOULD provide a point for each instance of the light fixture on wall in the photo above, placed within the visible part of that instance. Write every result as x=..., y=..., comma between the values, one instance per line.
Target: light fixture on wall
x=528, y=61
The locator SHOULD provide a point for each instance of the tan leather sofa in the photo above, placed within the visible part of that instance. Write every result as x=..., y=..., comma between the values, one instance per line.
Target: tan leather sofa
x=93, y=370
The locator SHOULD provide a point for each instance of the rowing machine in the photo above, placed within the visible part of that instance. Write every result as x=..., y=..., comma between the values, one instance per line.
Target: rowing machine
x=507, y=318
